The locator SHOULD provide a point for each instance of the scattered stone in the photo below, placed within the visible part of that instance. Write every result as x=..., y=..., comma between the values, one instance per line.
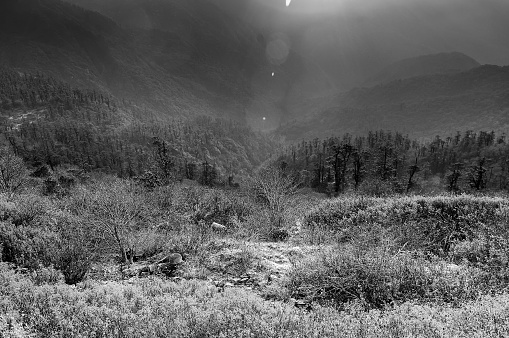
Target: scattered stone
x=168, y=265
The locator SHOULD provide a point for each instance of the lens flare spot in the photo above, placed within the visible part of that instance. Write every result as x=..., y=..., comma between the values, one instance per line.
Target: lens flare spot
x=264, y=118
x=272, y=73
x=277, y=49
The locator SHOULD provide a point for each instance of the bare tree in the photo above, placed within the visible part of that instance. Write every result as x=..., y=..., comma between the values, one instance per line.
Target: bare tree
x=273, y=186
x=114, y=210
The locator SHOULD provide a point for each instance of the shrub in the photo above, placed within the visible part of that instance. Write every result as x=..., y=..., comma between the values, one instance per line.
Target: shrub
x=14, y=174
x=74, y=260
x=46, y=275
x=203, y=204
x=27, y=246
x=191, y=239
x=429, y=223
x=378, y=278
x=31, y=209
x=7, y=208
x=154, y=308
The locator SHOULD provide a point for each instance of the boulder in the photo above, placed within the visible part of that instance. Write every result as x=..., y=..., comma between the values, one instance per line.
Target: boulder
x=169, y=264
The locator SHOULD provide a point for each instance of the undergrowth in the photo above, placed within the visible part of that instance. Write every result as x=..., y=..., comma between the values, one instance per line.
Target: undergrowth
x=155, y=308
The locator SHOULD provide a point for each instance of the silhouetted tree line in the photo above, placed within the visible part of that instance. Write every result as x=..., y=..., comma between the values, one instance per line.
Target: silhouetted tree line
x=465, y=161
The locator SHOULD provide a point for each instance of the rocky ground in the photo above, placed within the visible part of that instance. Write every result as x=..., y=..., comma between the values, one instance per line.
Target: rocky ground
x=257, y=266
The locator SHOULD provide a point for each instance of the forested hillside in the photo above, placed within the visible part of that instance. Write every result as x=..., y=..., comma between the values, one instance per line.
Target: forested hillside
x=188, y=72
x=49, y=122
x=442, y=63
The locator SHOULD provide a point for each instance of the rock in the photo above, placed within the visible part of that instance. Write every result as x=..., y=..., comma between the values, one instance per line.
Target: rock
x=174, y=258
x=169, y=264
x=303, y=304
x=218, y=227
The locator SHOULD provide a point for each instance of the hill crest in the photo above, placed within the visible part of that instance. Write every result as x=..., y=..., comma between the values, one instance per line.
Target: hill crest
x=442, y=63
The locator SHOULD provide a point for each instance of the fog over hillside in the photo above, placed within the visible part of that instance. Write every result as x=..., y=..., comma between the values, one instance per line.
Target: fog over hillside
x=255, y=61
x=319, y=47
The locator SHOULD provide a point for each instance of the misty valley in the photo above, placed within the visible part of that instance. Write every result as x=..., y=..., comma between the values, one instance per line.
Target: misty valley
x=254, y=168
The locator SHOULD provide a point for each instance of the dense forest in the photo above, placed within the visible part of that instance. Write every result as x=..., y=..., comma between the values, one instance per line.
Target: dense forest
x=47, y=122
x=386, y=162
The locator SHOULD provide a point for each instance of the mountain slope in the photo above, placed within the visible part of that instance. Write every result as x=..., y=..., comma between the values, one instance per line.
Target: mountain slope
x=421, y=106
x=162, y=69
x=443, y=63
x=227, y=54
x=216, y=57
x=46, y=121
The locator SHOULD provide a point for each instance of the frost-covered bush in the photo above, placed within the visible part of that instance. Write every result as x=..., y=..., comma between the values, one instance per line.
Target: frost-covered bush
x=154, y=308
x=378, y=278
x=27, y=246
x=198, y=203
x=429, y=223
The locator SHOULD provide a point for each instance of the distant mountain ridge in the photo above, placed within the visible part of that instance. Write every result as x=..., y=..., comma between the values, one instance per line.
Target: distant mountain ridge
x=442, y=63
x=422, y=106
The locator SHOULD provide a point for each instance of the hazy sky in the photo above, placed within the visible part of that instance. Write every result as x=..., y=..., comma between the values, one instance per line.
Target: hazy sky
x=341, y=43
x=479, y=28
